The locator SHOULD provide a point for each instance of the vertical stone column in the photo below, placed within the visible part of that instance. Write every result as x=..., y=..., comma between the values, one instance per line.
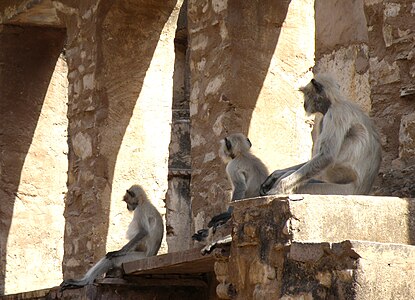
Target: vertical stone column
x=342, y=47
x=120, y=57
x=87, y=200
x=178, y=204
x=245, y=66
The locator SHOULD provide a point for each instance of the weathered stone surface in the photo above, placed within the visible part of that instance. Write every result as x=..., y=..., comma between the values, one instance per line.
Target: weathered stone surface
x=178, y=204
x=119, y=118
x=33, y=157
x=390, y=33
x=246, y=63
x=347, y=271
x=29, y=12
x=398, y=182
x=312, y=218
x=339, y=23
x=300, y=250
x=407, y=138
x=349, y=66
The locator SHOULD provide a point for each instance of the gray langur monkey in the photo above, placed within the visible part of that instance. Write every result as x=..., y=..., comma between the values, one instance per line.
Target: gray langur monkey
x=245, y=171
x=145, y=234
x=347, y=150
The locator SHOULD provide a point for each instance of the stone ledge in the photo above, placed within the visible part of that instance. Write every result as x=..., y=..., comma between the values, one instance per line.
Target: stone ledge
x=321, y=218
x=185, y=273
x=184, y=262
x=350, y=270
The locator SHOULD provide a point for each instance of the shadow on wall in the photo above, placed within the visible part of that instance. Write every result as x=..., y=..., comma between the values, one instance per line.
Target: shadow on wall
x=28, y=56
x=128, y=32
x=243, y=61
x=254, y=30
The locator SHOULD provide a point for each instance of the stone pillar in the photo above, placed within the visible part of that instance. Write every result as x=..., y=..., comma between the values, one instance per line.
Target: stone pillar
x=120, y=68
x=246, y=62
x=178, y=204
x=33, y=161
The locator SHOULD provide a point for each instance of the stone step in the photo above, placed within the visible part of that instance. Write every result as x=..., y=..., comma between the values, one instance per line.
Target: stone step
x=321, y=218
x=349, y=270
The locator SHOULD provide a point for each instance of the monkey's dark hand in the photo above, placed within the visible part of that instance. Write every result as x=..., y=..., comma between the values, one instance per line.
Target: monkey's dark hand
x=267, y=185
x=200, y=235
x=219, y=220
x=113, y=254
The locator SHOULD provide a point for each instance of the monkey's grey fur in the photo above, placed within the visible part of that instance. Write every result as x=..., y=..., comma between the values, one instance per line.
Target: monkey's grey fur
x=348, y=150
x=145, y=233
x=245, y=171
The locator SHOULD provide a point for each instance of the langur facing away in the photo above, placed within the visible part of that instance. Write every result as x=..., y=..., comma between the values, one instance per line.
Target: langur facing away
x=145, y=234
x=245, y=171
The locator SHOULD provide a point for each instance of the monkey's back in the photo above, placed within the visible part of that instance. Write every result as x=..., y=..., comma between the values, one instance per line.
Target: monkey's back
x=254, y=171
x=359, y=156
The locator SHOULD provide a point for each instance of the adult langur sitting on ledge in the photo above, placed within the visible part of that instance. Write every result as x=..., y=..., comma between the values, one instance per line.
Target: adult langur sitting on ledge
x=145, y=233
x=348, y=150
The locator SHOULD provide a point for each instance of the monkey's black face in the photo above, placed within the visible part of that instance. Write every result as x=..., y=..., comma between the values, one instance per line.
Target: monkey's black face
x=130, y=199
x=315, y=99
x=131, y=206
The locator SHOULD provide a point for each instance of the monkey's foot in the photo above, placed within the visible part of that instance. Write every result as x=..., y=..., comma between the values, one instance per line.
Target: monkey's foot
x=216, y=244
x=200, y=235
x=113, y=254
x=71, y=284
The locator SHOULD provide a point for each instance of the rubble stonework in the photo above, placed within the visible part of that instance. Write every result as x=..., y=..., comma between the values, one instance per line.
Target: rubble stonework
x=246, y=64
x=151, y=89
x=117, y=83
x=374, y=65
x=281, y=250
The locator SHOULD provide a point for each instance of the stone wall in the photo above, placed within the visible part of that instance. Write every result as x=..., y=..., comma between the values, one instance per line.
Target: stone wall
x=120, y=60
x=178, y=205
x=303, y=248
x=246, y=62
x=368, y=46
x=33, y=156
x=150, y=95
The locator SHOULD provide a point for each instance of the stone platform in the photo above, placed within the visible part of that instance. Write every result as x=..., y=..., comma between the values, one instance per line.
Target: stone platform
x=296, y=247
x=320, y=247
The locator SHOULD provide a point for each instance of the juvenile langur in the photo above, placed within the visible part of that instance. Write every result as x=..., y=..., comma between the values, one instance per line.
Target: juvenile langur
x=145, y=233
x=347, y=150
x=245, y=171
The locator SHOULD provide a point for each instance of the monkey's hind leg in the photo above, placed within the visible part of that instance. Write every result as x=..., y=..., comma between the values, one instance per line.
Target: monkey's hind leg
x=98, y=269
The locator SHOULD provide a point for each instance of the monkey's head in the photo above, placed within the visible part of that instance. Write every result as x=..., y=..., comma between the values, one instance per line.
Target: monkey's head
x=315, y=97
x=233, y=145
x=134, y=196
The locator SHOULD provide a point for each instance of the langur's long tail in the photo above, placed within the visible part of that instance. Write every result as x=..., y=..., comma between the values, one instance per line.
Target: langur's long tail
x=98, y=269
